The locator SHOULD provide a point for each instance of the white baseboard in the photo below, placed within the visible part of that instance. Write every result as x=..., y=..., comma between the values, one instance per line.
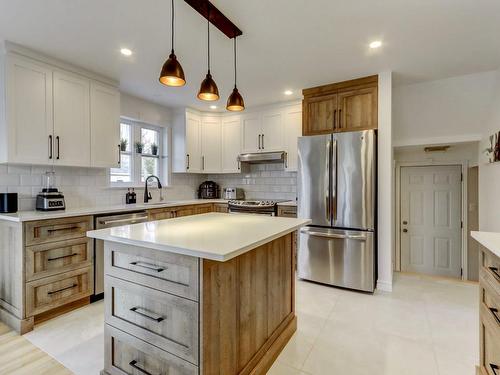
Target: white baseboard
x=385, y=286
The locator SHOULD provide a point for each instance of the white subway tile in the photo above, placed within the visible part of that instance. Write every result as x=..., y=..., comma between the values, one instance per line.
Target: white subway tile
x=9, y=180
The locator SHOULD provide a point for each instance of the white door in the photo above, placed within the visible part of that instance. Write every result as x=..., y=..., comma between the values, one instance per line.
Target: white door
x=272, y=132
x=193, y=145
x=431, y=234
x=211, y=145
x=71, y=119
x=29, y=112
x=104, y=125
x=251, y=133
x=292, y=128
x=231, y=144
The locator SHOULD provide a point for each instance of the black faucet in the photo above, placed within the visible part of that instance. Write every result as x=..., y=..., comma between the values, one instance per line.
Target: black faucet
x=147, y=194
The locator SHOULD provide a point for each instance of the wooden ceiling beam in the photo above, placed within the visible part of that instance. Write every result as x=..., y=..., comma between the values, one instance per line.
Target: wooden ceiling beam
x=217, y=18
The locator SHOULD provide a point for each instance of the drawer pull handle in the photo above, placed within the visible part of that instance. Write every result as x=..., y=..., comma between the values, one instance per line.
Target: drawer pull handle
x=148, y=266
x=62, y=257
x=136, y=310
x=60, y=290
x=495, y=314
x=65, y=228
x=134, y=365
x=494, y=368
x=495, y=271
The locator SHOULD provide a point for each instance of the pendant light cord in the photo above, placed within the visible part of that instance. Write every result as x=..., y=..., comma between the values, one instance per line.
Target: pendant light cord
x=235, y=61
x=173, y=29
x=208, y=34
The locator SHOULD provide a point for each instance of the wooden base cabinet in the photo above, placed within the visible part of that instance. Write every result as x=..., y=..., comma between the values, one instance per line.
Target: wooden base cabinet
x=242, y=317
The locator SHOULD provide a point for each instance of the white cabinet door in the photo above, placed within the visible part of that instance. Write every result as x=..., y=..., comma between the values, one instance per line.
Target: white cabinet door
x=252, y=132
x=211, y=152
x=231, y=144
x=193, y=145
x=272, y=132
x=292, y=129
x=29, y=112
x=104, y=125
x=71, y=119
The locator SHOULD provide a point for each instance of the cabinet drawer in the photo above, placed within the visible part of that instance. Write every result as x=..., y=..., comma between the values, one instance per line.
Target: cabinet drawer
x=51, y=292
x=287, y=211
x=490, y=360
x=44, y=231
x=168, y=272
x=164, y=320
x=489, y=272
x=53, y=258
x=126, y=354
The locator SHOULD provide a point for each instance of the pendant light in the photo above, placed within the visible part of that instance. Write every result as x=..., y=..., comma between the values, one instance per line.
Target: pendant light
x=172, y=73
x=235, y=101
x=208, y=88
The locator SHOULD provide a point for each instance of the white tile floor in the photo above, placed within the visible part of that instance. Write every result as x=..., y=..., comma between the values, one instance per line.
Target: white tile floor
x=425, y=326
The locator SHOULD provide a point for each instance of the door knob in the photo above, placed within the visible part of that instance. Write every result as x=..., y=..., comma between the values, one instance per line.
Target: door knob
x=405, y=222
x=405, y=230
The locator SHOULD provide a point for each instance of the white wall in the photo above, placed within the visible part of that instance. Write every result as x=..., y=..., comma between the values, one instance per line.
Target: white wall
x=489, y=174
x=141, y=110
x=442, y=111
x=456, y=153
x=385, y=183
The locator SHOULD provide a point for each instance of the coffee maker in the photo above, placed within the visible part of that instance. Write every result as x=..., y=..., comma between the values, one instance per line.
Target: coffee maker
x=50, y=198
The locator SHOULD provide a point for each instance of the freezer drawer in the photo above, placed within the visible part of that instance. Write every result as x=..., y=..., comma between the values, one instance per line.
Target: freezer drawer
x=343, y=258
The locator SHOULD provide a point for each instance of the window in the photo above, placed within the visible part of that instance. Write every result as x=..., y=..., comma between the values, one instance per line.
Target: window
x=140, y=154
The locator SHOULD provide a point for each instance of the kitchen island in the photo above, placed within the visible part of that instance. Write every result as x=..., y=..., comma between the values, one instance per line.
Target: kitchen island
x=204, y=294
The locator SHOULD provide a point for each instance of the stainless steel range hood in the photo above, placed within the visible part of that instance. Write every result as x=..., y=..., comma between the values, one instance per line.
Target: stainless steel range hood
x=263, y=157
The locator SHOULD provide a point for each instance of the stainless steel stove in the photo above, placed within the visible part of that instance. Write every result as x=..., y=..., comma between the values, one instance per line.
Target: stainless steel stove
x=260, y=207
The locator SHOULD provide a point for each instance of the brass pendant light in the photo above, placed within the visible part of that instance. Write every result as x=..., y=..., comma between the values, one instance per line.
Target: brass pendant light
x=235, y=101
x=172, y=73
x=208, y=88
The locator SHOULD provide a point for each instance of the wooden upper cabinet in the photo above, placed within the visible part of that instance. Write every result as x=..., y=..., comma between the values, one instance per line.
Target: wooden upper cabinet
x=318, y=114
x=339, y=107
x=357, y=109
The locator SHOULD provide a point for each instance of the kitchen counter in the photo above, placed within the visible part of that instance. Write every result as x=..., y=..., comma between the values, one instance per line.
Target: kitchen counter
x=215, y=236
x=490, y=240
x=22, y=216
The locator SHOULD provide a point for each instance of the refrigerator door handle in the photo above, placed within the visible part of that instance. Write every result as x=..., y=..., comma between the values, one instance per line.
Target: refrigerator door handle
x=334, y=179
x=328, y=180
x=333, y=235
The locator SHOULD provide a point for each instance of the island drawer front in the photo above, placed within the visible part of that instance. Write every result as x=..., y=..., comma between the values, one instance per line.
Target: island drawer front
x=51, y=292
x=53, y=258
x=491, y=267
x=164, y=320
x=172, y=273
x=44, y=231
x=127, y=355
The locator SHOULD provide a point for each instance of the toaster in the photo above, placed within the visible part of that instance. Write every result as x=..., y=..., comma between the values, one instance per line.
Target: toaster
x=231, y=193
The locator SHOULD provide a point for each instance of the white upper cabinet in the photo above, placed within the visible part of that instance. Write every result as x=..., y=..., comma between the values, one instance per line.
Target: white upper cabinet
x=231, y=144
x=272, y=132
x=104, y=125
x=292, y=128
x=193, y=145
x=211, y=152
x=27, y=127
x=251, y=132
x=71, y=119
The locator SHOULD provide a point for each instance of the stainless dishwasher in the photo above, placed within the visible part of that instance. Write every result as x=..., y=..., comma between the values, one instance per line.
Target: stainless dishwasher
x=102, y=222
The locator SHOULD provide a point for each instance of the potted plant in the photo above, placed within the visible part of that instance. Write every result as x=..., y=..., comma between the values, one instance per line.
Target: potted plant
x=123, y=144
x=154, y=149
x=139, y=147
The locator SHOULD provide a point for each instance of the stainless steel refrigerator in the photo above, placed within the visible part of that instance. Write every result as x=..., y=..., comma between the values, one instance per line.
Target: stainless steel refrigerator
x=337, y=191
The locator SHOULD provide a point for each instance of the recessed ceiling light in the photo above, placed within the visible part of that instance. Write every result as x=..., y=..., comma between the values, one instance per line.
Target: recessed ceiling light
x=213, y=107
x=288, y=92
x=375, y=44
x=126, y=52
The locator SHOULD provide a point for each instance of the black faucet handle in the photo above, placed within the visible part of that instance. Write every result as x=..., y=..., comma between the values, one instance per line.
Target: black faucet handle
x=149, y=195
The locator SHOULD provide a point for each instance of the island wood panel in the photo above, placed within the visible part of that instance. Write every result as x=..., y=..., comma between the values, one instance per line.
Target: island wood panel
x=248, y=309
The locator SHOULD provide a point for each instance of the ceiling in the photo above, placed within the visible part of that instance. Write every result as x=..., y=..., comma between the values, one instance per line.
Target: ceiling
x=286, y=44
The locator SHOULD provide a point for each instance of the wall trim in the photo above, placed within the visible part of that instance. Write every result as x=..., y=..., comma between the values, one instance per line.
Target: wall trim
x=384, y=286
x=437, y=140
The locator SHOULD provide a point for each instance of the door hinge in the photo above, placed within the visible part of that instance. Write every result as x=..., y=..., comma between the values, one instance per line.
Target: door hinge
x=461, y=272
x=462, y=224
x=461, y=176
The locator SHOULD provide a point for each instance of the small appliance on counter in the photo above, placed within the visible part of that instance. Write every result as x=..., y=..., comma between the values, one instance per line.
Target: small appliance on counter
x=232, y=193
x=50, y=198
x=131, y=196
x=8, y=203
x=208, y=190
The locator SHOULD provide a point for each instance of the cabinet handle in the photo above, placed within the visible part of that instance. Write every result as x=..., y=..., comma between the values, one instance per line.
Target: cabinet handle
x=65, y=228
x=340, y=119
x=494, y=368
x=62, y=257
x=286, y=159
x=187, y=157
x=263, y=147
x=60, y=290
x=58, y=147
x=148, y=266
x=494, y=312
x=495, y=272
x=50, y=146
x=203, y=163
x=119, y=155
x=239, y=162
x=136, y=310
x=259, y=141
x=334, y=118
x=134, y=365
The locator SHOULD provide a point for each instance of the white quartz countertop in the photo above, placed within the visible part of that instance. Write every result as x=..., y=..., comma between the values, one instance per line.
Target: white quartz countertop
x=489, y=240
x=215, y=236
x=41, y=215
